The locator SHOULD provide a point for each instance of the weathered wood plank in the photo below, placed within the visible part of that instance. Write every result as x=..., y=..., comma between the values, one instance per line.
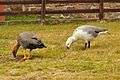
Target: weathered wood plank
x=19, y=2
x=43, y=6
x=55, y=1
x=101, y=10
x=72, y=11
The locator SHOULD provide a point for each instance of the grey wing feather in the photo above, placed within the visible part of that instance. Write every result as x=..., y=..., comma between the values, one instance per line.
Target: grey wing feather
x=27, y=38
x=93, y=30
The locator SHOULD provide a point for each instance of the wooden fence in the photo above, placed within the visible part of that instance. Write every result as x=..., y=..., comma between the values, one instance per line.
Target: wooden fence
x=43, y=4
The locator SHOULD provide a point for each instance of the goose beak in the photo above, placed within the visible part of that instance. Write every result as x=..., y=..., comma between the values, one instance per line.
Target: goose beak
x=67, y=47
x=14, y=54
x=108, y=33
x=45, y=47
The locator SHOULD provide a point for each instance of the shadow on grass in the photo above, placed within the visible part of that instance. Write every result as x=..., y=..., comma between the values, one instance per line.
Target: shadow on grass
x=32, y=57
x=19, y=58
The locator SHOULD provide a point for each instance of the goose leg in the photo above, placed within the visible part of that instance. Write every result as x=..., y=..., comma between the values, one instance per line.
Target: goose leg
x=88, y=44
x=29, y=54
x=25, y=57
x=85, y=46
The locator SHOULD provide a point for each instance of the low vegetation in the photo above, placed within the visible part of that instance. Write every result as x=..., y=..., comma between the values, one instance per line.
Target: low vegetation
x=100, y=62
x=25, y=17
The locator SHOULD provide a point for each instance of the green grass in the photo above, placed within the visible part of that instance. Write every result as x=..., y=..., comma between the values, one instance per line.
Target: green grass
x=22, y=17
x=26, y=17
x=100, y=62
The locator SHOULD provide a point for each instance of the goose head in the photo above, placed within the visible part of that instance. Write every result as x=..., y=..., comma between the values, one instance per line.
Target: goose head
x=69, y=41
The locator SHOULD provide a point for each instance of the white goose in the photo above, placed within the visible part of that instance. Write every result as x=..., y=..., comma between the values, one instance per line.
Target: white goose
x=86, y=33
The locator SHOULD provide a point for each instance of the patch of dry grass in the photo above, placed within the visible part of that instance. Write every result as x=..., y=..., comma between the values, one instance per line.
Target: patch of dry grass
x=101, y=61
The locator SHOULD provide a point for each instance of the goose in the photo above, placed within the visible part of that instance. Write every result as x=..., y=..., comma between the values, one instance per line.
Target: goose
x=86, y=33
x=28, y=40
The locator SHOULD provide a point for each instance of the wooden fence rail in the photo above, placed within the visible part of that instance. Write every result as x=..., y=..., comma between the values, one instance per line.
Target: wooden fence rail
x=43, y=4
x=56, y=1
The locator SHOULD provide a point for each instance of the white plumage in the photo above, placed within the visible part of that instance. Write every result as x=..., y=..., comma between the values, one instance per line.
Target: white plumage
x=86, y=33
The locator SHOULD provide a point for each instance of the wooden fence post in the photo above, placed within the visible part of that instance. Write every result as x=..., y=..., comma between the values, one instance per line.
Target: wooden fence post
x=43, y=4
x=101, y=9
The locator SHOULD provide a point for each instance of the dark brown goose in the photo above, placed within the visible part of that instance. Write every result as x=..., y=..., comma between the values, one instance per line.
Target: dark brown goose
x=27, y=40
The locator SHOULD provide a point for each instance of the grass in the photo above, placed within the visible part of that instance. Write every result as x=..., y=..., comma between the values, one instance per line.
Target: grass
x=101, y=61
x=23, y=17
x=26, y=17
